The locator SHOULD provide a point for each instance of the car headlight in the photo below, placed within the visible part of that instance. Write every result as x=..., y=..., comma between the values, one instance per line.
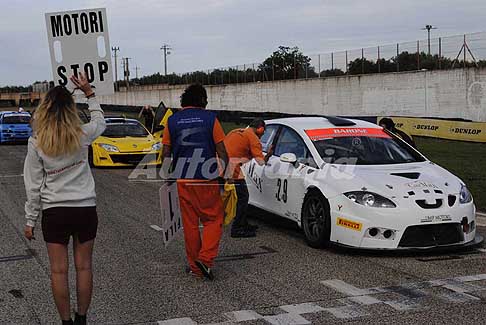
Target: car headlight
x=156, y=146
x=464, y=196
x=370, y=199
x=108, y=147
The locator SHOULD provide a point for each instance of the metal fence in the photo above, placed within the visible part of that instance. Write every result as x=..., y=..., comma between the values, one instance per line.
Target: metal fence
x=450, y=52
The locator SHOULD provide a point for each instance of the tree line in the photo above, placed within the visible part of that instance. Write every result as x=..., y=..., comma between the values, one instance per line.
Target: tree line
x=290, y=63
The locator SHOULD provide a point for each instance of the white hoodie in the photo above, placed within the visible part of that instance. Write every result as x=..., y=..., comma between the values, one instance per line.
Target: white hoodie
x=64, y=181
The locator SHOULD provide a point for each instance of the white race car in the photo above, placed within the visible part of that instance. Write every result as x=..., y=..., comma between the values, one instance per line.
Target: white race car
x=354, y=184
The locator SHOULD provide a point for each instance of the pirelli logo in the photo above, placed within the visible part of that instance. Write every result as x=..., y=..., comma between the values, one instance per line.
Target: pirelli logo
x=349, y=224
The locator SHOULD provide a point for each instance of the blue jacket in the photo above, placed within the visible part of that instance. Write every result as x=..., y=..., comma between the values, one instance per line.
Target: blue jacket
x=192, y=143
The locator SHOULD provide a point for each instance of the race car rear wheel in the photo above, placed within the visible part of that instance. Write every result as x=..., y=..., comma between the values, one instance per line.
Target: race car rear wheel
x=316, y=220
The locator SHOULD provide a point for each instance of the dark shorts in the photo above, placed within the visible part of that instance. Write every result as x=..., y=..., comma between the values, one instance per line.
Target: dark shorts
x=60, y=223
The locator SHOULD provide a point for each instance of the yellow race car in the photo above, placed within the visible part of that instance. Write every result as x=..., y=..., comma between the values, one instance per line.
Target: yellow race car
x=125, y=142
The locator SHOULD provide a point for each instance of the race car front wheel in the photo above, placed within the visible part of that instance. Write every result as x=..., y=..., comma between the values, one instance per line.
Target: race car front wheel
x=316, y=220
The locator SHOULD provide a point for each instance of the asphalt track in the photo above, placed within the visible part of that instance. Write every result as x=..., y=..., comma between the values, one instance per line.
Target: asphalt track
x=272, y=279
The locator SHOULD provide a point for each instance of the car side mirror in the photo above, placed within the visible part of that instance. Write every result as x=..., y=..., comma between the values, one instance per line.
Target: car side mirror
x=289, y=158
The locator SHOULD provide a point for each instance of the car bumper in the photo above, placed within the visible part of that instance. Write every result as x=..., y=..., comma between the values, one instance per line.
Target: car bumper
x=476, y=242
x=14, y=139
x=125, y=159
x=401, y=228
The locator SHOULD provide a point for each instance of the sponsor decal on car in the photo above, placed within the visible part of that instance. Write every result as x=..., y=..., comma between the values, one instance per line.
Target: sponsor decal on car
x=419, y=184
x=321, y=134
x=439, y=218
x=349, y=224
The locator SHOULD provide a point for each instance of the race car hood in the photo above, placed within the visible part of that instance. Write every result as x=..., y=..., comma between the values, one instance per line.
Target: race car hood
x=421, y=180
x=129, y=144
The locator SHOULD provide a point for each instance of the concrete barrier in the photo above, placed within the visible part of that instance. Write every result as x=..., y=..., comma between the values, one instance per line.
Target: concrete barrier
x=459, y=93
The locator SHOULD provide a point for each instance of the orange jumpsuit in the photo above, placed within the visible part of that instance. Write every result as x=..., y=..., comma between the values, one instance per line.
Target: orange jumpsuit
x=200, y=201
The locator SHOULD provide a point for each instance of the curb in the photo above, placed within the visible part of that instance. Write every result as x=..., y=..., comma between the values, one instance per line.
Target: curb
x=481, y=219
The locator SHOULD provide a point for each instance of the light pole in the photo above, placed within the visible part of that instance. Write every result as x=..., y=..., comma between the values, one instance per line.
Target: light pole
x=116, y=49
x=166, y=49
x=428, y=28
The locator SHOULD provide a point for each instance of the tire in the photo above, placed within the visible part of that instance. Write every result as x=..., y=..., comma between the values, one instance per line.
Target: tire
x=316, y=220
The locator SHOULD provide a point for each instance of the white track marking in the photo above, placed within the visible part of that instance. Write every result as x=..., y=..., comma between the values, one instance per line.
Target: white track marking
x=357, y=302
x=305, y=308
x=457, y=297
x=242, y=315
x=346, y=288
x=286, y=319
x=346, y=312
x=177, y=321
x=365, y=300
x=403, y=305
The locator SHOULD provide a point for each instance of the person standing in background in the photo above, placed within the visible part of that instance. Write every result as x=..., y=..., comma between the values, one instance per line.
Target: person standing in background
x=388, y=124
x=58, y=182
x=148, y=114
x=244, y=145
x=194, y=138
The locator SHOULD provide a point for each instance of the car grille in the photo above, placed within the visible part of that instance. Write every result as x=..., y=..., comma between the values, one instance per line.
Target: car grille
x=424, y=205
x=432, y=235
x=132, y=159
x=451, y=199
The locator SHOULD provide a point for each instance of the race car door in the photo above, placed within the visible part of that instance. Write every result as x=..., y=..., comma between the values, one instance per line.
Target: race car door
x=285, y=181
x=254, y=173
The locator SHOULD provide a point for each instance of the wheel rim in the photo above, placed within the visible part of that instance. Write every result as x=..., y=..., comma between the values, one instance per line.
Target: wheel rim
x=314, y=219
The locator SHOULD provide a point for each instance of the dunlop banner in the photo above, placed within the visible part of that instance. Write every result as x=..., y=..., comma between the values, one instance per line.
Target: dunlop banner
x=444, y=129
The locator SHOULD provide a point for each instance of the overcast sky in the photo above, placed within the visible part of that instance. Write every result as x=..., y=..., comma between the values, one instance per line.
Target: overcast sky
x=207, y=34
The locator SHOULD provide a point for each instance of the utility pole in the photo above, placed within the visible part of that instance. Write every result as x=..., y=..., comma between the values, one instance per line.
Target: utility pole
x=428, y=28
x=126, y=71
x=116, y=49
x=166, y=48
x=136, y=71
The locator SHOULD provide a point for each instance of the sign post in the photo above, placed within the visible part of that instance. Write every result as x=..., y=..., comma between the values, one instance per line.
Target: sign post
x=79, y=42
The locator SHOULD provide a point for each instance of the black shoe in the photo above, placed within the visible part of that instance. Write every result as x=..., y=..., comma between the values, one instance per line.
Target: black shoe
x=252, y=227
x=67, y=322
x=79, y=319
x=206, y=271
x=243, y=233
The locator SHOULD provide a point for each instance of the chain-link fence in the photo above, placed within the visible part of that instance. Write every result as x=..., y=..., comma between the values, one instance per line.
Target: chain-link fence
x=460, y=51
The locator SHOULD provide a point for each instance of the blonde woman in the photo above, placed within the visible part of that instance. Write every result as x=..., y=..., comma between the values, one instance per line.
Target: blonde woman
x=59, y=183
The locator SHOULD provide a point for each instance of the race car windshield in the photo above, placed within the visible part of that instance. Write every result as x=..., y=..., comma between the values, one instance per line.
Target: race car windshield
x=16, y=119
x=125, y=130
x=363, y=150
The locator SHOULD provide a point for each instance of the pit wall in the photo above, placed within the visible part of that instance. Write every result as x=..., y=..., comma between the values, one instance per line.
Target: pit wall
x=459, y=93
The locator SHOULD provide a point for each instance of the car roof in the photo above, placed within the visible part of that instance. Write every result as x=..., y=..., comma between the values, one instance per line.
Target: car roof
x=316, y=122
x=14, y=113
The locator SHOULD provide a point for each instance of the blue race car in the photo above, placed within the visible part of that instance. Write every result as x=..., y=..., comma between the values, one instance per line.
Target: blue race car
x=14, y=127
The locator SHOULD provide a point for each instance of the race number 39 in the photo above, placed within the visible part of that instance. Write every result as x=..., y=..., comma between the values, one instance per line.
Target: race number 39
x=79, y=42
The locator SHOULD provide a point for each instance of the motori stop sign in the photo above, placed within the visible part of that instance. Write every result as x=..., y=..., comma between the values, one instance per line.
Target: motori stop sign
x=79, y=42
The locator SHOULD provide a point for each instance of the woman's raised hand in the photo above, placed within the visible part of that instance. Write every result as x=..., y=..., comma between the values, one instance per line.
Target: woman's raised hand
x=82, y=83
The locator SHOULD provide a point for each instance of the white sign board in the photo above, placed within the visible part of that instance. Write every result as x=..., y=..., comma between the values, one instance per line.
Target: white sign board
x=171, y=213
x=79, y=42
